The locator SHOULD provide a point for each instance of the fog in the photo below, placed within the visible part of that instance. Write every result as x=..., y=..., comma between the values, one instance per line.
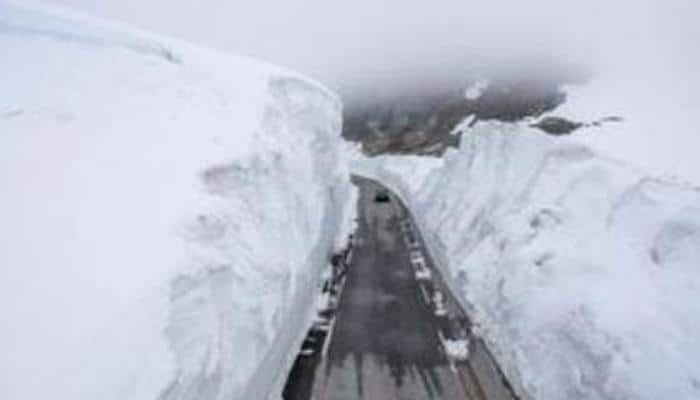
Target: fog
x=361, y=43
x=647, y=49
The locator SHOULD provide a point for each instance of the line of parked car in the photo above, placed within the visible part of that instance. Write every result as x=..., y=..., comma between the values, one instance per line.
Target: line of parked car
x=327, y=302
x=454, y=331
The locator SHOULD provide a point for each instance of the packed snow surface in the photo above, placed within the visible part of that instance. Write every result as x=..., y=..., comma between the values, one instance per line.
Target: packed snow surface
x=166, y=211
x=659, y=118
x=580, y=271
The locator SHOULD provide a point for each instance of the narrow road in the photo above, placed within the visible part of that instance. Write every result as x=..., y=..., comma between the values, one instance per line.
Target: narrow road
x=386, y=341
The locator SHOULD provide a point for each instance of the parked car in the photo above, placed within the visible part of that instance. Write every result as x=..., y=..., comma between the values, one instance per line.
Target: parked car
x=439, y=307
x=457, y=349
x=456, y=338
x=321, y=325
x=410, y=240
x=323, y=319
x=419, y=267
x=423, y=274
x=416, y=256
x=307, y=351
x=308, y=348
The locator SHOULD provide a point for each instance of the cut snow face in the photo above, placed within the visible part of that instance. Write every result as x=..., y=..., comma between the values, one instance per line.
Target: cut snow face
x=166, y=211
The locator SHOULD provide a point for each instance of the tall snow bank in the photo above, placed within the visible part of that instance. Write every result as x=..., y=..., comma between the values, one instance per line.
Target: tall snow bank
x=165, y=213
x=582, y=272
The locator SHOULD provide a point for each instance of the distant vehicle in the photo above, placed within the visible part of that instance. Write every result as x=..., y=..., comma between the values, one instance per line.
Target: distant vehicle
x=456, y=339
x=328, y=299
x=418, y=263
x=382, y=197
x=333, y=302
x=439, y=306
x=308, y=348
x=423, y=273
x=306, y=352
x=321, y=325
x=416, y=256
x=337, y=259
x=409, y=235
x=410, y=239
x=457, y=349
x=324, y=316
x=413, y=244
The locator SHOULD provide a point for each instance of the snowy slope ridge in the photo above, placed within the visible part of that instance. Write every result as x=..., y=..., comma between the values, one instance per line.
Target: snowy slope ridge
x=580, y=271
x=166, y=212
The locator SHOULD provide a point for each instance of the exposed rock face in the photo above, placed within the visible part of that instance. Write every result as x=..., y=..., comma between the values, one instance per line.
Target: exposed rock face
x=557, y=125
x=404, y=125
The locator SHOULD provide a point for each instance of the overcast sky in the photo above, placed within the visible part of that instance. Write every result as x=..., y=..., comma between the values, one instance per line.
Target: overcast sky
x=345, y=43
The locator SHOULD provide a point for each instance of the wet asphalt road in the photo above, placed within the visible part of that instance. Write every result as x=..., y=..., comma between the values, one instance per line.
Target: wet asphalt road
x=384, y=344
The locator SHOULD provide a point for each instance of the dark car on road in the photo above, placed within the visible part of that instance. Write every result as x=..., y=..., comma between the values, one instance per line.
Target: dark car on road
x=382, y=197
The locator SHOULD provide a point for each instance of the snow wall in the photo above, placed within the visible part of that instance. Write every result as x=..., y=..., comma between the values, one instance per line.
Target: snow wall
x=166, y=212
x=580, y=271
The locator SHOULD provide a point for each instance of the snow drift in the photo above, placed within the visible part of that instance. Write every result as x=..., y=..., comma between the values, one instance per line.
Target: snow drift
x=166, y=211
x=580, y=271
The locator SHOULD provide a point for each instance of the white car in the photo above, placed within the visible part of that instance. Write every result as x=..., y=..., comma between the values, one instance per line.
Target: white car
x=439, y=306
x=419, y=264
x=307, y=351
x=457, y=349
x=321, y=325
x=423, y=274
x=308, y=347
x=416, y=256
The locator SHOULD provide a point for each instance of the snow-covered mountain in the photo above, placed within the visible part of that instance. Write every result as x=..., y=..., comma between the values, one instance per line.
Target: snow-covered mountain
x=165, y=213
x=580, y=270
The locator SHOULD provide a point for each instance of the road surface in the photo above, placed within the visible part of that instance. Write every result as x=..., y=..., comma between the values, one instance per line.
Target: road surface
x=385, y=341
